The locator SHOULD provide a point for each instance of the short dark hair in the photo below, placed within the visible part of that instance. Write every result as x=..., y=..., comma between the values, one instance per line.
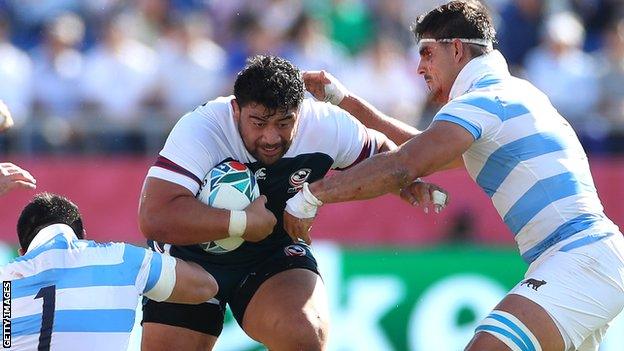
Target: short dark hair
x=457, y=19
x=46, y=209
x=270, y=81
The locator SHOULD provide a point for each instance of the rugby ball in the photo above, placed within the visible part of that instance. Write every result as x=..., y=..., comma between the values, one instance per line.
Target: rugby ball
x=229, y=185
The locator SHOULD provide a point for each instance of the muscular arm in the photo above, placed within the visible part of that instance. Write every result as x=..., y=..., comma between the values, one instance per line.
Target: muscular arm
x=371, y=117
x=422, y=155
x=193, y=284
x=170, y=213
x=394, y=129
x=317, y=82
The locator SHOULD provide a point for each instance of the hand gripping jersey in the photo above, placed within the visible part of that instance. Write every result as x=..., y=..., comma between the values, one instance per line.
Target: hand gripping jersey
x=327, y=138
x=526, y=157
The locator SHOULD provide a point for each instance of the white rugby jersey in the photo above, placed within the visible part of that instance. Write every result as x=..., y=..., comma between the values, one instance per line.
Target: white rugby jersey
x=70, y=294
x=327, y=138
x=209, y=135
x=526, y=157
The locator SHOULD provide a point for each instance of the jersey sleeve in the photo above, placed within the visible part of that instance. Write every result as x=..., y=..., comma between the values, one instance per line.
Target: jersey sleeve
x=188, y=153
x=156, y=272
x=479, y=115
x=354, y=142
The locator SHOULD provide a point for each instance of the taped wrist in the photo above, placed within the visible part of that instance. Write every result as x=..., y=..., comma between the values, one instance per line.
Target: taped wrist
x=238, y=223
x=304, y=204
x=335, y=92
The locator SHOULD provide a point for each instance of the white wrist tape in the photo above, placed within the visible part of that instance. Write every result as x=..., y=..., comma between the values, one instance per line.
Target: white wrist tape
x=238, y=223
x=304, y=204
x=335, y=92
x=439, y=198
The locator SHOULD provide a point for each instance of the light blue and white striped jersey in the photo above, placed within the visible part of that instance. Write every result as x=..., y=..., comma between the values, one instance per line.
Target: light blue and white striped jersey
x=70, y=294
x=526, y=157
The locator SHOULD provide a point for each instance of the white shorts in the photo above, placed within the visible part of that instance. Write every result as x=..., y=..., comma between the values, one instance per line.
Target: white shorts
x=582, y=289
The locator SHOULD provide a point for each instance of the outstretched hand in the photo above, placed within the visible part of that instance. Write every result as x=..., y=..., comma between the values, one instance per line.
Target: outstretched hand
x=425, y=195
x=12, y=176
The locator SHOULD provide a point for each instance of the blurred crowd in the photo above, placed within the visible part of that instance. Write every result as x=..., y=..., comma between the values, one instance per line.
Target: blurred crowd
x=106, y=76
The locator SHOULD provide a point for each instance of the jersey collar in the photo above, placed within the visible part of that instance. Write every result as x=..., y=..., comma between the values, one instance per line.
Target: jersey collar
x=492, y=63
x=46, y=234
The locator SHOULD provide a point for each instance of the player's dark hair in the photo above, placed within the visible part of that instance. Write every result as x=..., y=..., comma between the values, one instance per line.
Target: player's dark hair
x=46, y=209
x=270, y=81
x=468, y=19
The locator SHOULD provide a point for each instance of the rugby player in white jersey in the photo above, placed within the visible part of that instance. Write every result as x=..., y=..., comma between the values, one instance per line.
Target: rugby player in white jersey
x=524, y=155
x=270, y=282
x=67, y=293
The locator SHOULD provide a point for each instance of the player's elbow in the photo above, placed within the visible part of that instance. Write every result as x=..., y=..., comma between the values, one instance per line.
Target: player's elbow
x=406, y=168
x=206, y=288
x=151, y=224
x=201, y=286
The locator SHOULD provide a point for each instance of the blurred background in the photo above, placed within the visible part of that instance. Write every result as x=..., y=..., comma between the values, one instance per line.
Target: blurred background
x=95, y=86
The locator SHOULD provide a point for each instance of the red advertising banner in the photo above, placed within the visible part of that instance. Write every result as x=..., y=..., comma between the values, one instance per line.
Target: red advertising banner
x=107, y=192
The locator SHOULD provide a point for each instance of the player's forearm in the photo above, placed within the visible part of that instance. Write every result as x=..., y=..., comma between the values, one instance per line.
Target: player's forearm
x=371, y=117
x=183, y=221
x=378, y=175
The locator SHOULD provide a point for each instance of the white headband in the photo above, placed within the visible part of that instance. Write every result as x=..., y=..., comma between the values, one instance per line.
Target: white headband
x=475, y=41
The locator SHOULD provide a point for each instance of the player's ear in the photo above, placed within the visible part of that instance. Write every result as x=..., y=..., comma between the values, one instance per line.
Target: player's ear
x=236, y=110
x=458, y=49
x=21, y=251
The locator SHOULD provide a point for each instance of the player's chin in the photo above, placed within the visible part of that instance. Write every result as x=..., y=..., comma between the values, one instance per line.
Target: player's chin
x=269, y=159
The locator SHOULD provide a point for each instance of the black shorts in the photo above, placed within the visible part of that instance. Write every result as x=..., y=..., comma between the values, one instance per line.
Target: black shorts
x=237, y=285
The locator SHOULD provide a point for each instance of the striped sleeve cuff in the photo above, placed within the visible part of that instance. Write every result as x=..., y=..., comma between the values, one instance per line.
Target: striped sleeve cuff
x=470, y=127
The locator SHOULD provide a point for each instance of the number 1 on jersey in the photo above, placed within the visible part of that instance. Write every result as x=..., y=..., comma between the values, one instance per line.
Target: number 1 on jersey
x=48, y=294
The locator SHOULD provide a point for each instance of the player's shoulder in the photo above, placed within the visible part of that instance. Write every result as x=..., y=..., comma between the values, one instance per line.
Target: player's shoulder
x=212, y=115
x=211, y=111
x=130, y=255
x=320, y=114
x=475, y=103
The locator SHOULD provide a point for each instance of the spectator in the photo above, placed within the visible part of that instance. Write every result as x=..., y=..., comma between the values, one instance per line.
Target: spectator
x=15, y=72
x=381, y=76
x=559, y=66
x=146, y=19
x=311, y=49
x=253, y=38
x=390, y=21
x=192, y=66
x=520, y=21
x=351, y=24
x=58, y=66
x=612, y=84
x=119, y=81
x=595, y=16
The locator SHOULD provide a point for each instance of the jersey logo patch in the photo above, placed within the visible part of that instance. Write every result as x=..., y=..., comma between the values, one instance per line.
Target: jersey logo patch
x=294, y=250
x=260, y=174
x=297, y=179
x=533, y=283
